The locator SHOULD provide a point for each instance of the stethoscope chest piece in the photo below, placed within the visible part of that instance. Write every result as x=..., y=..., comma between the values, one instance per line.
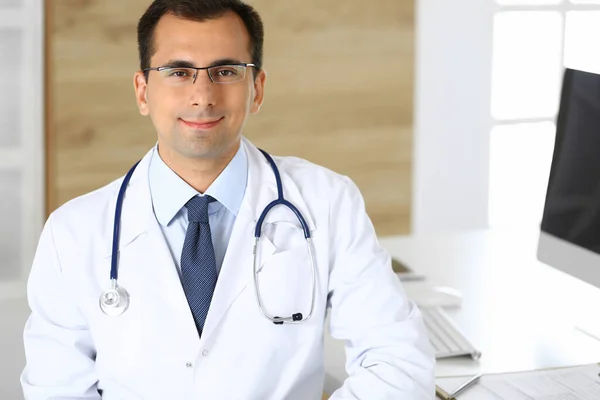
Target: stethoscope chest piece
x=114, y=301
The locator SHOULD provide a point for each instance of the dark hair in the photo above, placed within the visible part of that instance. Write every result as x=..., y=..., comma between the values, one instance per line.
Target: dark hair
x=198, y=10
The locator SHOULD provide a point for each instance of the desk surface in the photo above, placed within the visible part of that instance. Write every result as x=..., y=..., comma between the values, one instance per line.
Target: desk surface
x=521, y=313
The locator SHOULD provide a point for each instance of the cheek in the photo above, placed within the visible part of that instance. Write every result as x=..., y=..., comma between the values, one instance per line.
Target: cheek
x=162, y=108
x=239, y=103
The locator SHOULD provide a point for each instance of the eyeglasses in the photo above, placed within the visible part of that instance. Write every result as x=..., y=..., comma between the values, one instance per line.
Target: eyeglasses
x=181, y=76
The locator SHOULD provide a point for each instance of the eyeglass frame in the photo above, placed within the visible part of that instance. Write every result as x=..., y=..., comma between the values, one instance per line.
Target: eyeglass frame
x=245, y=65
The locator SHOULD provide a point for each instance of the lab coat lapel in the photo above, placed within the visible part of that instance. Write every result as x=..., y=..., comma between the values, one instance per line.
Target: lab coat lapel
x=237, y=269
x=235, y=272
x=164, y=294
x=143, y=253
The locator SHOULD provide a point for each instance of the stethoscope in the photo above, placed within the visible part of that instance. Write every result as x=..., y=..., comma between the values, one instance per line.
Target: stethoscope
x=115, y=300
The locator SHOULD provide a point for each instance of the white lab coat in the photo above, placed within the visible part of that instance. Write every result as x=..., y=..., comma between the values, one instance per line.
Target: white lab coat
x=153, y=351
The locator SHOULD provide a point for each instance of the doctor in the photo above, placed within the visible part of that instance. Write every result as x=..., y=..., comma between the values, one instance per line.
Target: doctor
x=197, y=315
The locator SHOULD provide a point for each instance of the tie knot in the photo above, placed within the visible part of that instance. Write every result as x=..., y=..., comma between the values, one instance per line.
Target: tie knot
x=197, y=208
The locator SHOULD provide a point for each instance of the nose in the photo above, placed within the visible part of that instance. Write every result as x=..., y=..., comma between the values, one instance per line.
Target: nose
x=203, y=91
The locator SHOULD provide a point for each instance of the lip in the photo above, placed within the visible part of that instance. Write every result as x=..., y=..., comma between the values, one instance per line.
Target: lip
x=201, y=124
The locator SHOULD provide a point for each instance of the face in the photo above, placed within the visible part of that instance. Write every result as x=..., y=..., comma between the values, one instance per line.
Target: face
x=203, y=120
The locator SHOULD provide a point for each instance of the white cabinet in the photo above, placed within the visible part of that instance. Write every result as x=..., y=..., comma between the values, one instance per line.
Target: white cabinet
x=22, y=199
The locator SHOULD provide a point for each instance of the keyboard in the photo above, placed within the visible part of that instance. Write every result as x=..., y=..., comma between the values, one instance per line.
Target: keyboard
x=445, y=336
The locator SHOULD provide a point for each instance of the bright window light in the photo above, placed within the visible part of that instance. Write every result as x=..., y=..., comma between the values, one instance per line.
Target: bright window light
x=581, y=40
x=526, y=66
x=520, y=158
x=527, y=2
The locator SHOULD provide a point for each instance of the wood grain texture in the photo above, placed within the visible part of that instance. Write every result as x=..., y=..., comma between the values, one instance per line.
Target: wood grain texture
x=339, y=93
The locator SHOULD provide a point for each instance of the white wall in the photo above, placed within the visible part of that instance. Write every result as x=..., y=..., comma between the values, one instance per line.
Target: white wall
x=452, y=114
x=14, y=314
x=21, y=141
x=21, y=175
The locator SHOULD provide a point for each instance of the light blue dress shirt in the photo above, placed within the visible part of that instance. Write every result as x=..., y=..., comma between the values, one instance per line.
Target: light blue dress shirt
x=170, y=193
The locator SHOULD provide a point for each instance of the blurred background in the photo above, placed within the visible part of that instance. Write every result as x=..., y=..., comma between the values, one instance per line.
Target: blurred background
x=442, y=112
x=339, y=93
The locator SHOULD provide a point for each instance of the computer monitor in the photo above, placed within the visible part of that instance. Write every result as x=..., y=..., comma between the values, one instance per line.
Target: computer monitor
x=570, y=228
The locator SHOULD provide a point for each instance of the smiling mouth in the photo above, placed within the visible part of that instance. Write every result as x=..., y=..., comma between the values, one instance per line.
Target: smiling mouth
x=203, y=124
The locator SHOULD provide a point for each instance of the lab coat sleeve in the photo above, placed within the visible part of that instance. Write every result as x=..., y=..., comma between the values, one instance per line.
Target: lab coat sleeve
x=58, y=346
x=388, y=355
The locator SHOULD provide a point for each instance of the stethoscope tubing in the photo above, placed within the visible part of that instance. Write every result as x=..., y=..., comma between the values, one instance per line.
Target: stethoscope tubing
x=115, y=289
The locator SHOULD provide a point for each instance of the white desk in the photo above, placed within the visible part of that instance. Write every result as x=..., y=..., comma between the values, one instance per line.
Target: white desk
x=519, y=312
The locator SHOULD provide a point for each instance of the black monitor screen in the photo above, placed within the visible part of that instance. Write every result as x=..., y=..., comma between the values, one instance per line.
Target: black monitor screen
x=572, y=209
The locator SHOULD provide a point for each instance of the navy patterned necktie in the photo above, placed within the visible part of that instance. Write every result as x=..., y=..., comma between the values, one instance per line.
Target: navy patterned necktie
x=198, y=265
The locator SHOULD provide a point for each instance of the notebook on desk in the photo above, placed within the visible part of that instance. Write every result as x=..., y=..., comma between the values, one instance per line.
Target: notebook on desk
x=570, y=383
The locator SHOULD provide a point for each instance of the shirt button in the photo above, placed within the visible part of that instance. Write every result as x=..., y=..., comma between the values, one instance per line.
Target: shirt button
x=204, y=352
x=188, y=365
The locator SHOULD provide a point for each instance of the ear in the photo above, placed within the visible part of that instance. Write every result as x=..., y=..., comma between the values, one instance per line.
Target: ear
x=141, y=92
x=259, y=91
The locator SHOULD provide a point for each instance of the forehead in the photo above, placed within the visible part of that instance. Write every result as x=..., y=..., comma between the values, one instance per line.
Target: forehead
x=201, y=42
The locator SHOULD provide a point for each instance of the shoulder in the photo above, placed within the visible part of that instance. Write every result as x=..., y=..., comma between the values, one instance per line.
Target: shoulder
x=326, y=194
x=310, y=176
x=87, y=210
x=98, y=205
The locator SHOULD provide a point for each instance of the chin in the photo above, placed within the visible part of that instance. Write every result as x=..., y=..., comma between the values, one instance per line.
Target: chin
x=199, y=152
x=203, y=149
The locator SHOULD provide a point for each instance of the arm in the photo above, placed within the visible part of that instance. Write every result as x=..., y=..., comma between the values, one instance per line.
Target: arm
x=388, y=354
x=58, y=345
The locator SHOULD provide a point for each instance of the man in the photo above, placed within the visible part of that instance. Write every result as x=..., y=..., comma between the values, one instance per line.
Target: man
x=193, y=327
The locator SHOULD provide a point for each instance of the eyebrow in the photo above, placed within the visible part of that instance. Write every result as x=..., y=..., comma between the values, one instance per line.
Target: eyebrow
x=188, y=64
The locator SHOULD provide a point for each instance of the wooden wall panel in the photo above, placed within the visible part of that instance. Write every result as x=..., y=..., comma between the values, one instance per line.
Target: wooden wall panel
x=339, y=93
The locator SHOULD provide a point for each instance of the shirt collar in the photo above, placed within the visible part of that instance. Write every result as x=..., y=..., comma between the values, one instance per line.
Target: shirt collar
x=170, y=193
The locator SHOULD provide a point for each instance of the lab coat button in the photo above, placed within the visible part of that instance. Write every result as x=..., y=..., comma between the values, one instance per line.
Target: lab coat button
x=204, y=352
x=188, y=365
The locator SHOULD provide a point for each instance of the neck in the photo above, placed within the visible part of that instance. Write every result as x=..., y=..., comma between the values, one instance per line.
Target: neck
x=199, y=173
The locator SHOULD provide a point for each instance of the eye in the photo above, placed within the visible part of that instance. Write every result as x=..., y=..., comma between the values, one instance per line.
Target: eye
x=227, y=72
x=178, y=73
